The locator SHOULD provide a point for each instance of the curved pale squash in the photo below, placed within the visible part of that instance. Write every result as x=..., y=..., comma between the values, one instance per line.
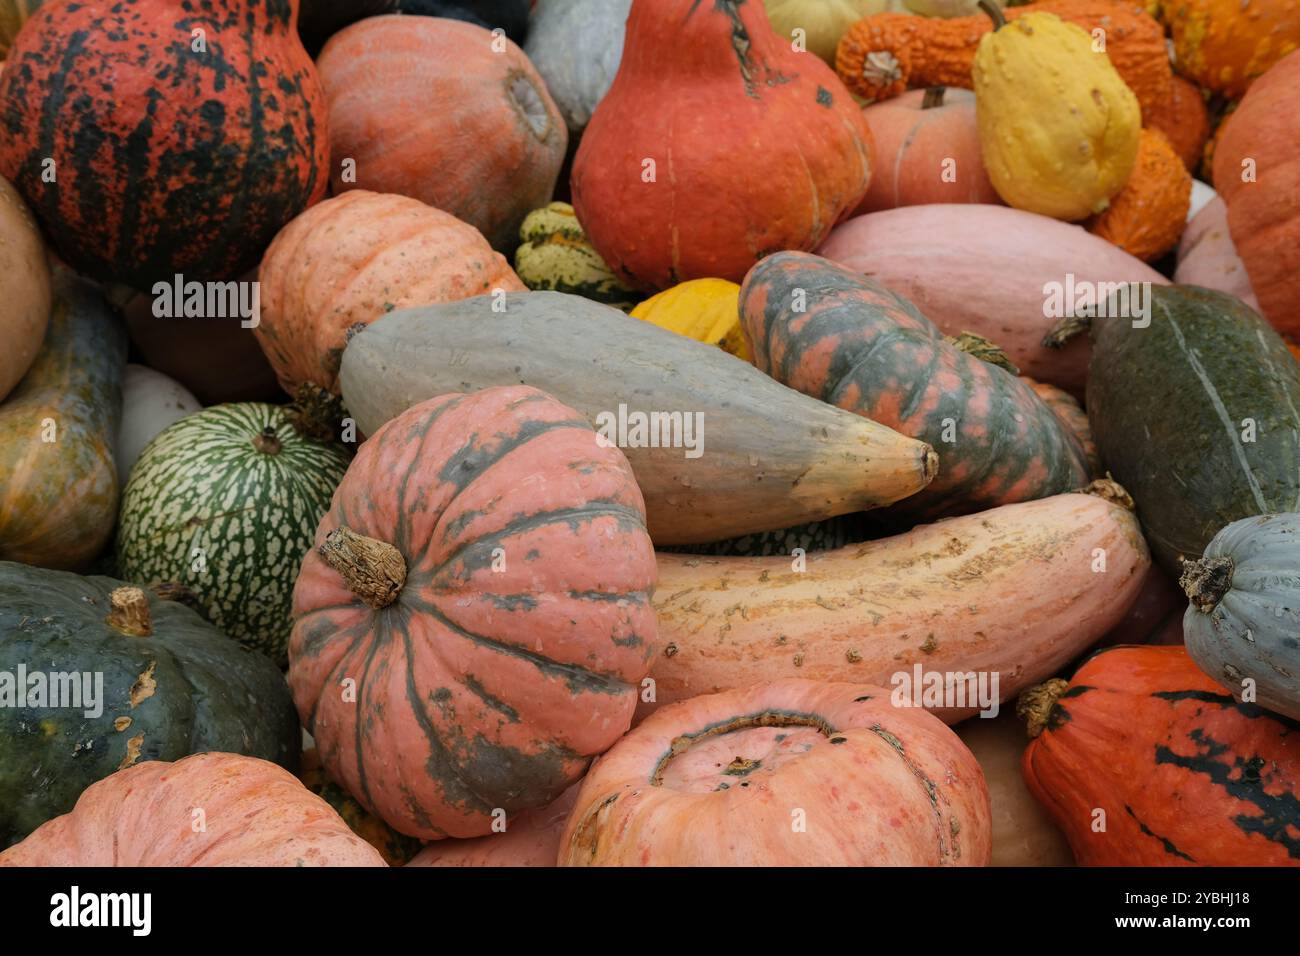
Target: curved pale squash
x=1012, y=590
x=987, y=270
x=150, y=402
x=58, y=479
x=767, y=457
x=1208, y=258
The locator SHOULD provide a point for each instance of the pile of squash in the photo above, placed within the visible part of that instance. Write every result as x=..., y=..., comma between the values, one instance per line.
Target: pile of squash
x=650, y=432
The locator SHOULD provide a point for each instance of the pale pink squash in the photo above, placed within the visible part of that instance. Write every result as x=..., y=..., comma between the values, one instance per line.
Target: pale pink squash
x=926, y=152
x=531, y=838
x=1207, y=256
x=254, y=813
x=791, y=773
x=988, y=270
x=1011, y=590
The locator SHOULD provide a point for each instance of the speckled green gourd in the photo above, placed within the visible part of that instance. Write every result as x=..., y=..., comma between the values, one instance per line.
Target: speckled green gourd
x=814, y=536
x=555, y=256
x=172, y=685
x=226, y=502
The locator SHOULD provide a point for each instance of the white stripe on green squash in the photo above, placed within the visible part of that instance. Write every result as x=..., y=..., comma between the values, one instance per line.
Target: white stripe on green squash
x=206, y=508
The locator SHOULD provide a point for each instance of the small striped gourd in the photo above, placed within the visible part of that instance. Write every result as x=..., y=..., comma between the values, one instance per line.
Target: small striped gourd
x=226, y=502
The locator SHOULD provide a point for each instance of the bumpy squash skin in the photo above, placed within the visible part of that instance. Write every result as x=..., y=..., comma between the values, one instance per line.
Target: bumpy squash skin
x=1023, y=833
x=1169, y=406
x=1147, y=217
x=347, y=261
x=1244, y=616
x=1184, y=120
x=1226, y=45
x=211, y=506
x=255, y=814
x=707, y=310
x=1264, y=214
x=24, y=288
x=1010, y=590
x=770, y=457
x=1185, y=774
x=192, y=174
x=531, y=838
x=58, y=499
x=701, y=84
x=477, y=688
x=185, y=688
x=555, y=256
x=843, y=338
x=986, y=269
x=883, y=55
x=716, y=781
x=1058, y=127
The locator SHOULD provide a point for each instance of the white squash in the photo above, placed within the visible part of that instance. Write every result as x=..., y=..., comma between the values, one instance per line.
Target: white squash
x=576, y=45
x=1202, y=196
x=150, y=402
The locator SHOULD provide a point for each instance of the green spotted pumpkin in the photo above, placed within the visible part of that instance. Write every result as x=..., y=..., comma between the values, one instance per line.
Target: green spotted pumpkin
x=226, y=502
x=555, y=256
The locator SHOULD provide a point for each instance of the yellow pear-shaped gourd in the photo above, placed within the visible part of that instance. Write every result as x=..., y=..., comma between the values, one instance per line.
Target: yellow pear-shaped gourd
x=707, y=310
x=1059, y=129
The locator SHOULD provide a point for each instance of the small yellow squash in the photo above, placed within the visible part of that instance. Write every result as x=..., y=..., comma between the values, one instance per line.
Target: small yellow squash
x=555, y=256
x=707, y=310
x=1059, y=129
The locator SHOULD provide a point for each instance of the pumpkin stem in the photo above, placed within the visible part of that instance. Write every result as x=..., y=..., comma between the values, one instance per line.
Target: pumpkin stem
x=1206, y=581
x=982, y=349
x=1111, y=490
x=129, y=612
x=374, y=570
x=994, y=13
x=267, y=441
x=1068, y=328
x=316, y=413
x=933, y=97
x=1034, y=706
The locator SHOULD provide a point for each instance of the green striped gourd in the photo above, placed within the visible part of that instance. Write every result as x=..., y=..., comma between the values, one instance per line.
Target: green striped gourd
x=555, y=256
x=226, y=502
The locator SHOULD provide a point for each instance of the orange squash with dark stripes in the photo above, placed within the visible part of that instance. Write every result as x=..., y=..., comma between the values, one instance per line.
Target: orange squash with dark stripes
x=152, y=138
x=1143, y=760
x=836, y=335
x=483, y=581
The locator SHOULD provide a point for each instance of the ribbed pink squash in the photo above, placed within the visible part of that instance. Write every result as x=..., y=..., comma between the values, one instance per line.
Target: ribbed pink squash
x=984, y=269
x=210, y=809
x=1207, y=256
x=354, y=258
x=531, y=838
x=792, y=773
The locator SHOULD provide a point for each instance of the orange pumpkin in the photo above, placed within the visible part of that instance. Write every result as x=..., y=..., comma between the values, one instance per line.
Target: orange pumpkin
x=254, y=813
x=1143, y=760
x=1225, y=45
x=1257, y=173
x=716, y=144
x=1147, y=217
x=347, y=261
x=483, y=576
x=882, y=55
x=792, y=773
x=1184, y=120
x=427, y=107
x=927, y=151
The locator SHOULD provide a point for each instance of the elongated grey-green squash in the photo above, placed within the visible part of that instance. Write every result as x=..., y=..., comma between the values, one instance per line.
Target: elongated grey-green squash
x=745, y=454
